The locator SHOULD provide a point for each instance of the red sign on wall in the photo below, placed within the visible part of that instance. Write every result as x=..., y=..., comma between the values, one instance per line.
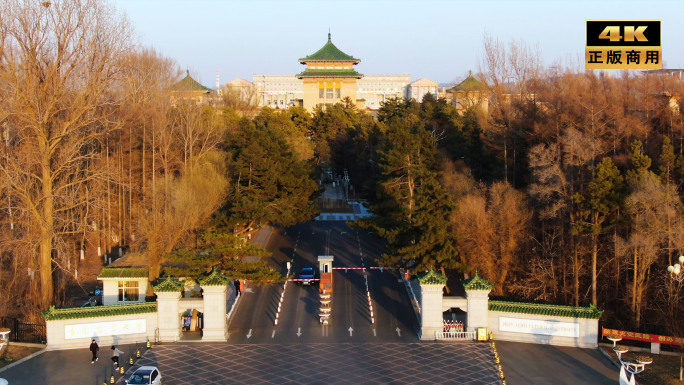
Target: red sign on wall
x=643, y=337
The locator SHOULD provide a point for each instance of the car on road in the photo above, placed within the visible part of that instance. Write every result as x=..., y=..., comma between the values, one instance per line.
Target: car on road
x=145, y=375
x=306, y=276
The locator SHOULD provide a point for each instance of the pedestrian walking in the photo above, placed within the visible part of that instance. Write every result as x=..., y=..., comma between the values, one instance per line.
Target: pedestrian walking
x=237, y=287
x=115, y=356
x=94, y=348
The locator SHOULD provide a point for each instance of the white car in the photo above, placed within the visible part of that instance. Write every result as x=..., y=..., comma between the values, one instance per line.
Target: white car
x=145, y=375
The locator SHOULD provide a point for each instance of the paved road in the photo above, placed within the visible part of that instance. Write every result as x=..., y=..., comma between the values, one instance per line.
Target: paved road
x=525, y=364
x=392, y=318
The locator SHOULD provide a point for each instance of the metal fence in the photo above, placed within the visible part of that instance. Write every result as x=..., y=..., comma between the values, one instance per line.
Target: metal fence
x=23, y=331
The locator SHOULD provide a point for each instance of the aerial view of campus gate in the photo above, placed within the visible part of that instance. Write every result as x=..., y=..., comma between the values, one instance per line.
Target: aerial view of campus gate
x=470, y=204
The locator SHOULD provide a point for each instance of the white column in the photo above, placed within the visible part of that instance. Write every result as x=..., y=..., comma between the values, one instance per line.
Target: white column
x=168, y=316
x=430, y=310
x=478, y=309
x=214, y=313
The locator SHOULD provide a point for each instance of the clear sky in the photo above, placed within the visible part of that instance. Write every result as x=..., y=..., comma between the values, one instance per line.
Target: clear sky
x=440, y=40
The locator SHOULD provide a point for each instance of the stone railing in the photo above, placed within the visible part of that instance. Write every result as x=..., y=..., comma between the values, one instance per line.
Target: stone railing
x=455, y=335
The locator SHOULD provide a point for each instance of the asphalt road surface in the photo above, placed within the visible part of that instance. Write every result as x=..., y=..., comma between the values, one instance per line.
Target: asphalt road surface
x=392, y=319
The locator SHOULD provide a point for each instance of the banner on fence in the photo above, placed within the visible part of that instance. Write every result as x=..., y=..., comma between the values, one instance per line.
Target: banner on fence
x=643, y=337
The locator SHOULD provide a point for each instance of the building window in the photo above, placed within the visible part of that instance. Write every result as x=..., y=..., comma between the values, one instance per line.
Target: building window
x=329, y=93
x=321, y=93
x=128, y=291
x=338, y=93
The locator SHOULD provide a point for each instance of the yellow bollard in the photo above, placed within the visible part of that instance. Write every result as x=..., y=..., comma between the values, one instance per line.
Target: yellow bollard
x=149, y=345
x=121, y=369
x=130, y=360
x=111, y=379
x=137, y=353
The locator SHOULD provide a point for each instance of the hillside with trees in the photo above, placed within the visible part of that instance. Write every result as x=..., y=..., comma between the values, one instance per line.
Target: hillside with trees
x=558, y=185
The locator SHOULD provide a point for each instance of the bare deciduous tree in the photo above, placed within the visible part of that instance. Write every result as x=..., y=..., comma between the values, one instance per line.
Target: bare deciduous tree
x=59, y=63
x=490, y=225
x=654, y=207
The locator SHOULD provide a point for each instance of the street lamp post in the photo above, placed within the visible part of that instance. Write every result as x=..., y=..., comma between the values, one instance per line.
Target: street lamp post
x=675, y=272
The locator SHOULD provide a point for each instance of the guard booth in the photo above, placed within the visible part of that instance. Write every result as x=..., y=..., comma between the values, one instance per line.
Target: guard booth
x=325, y=268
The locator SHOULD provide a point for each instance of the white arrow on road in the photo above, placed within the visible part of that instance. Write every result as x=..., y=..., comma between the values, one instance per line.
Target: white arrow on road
x=273, y=334
x=249, y=334
x=398, y=332
x=350, y=331
x=299, y=332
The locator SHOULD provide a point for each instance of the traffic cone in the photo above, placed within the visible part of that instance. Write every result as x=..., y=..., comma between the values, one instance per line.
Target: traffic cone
x=137, y=353
x=130, y=360
x=149, y=345
x=121, y=369
x=112, y=380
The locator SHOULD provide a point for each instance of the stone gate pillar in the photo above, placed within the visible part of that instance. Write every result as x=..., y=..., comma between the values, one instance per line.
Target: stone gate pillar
x=477, y=294
x=214, y=288
x=168, y=316
x=431, y=285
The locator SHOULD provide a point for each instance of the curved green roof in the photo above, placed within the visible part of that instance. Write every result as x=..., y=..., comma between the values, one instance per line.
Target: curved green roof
x=328, y=73
x=123, y=272
x=432, y=278
x=477, y=283
x=99, y=311
x=590, y=312
x=329, y=53
x=168, y=285
x=469, y=84
x=188, y=84
x=216, y=278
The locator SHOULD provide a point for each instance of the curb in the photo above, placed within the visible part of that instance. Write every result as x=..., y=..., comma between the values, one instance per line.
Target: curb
x=610, y=358
x=15, y=363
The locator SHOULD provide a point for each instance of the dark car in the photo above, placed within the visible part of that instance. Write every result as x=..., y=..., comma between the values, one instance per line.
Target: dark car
x=306, y=276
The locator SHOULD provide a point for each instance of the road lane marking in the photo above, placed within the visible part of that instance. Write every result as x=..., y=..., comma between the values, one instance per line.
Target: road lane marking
x=273, y=334
x=398, y=332
x=350, y=331
x=375, y=334
x=299, y=332
x=249, y=334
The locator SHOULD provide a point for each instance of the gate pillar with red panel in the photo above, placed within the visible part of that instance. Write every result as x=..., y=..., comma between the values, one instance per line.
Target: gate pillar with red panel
x=325, y=269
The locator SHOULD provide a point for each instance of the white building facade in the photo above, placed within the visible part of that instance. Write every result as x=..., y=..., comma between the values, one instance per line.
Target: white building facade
x=284, y=91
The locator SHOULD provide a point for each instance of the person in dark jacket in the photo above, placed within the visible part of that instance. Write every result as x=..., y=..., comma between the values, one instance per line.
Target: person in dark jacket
x=94, y=348
x=237, y=287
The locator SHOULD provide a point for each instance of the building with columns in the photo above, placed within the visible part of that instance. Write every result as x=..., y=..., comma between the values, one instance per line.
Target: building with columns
x=329, y=77
x=421, y=87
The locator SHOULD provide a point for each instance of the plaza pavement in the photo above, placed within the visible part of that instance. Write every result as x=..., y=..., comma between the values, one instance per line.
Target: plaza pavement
x=196, y=363
x=222, y=363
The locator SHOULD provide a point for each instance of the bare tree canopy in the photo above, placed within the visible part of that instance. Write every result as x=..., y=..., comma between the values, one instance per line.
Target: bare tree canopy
x=59, y=66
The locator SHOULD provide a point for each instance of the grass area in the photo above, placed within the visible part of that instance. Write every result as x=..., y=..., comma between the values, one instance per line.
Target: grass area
x=663, y=371
x=13, y=353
